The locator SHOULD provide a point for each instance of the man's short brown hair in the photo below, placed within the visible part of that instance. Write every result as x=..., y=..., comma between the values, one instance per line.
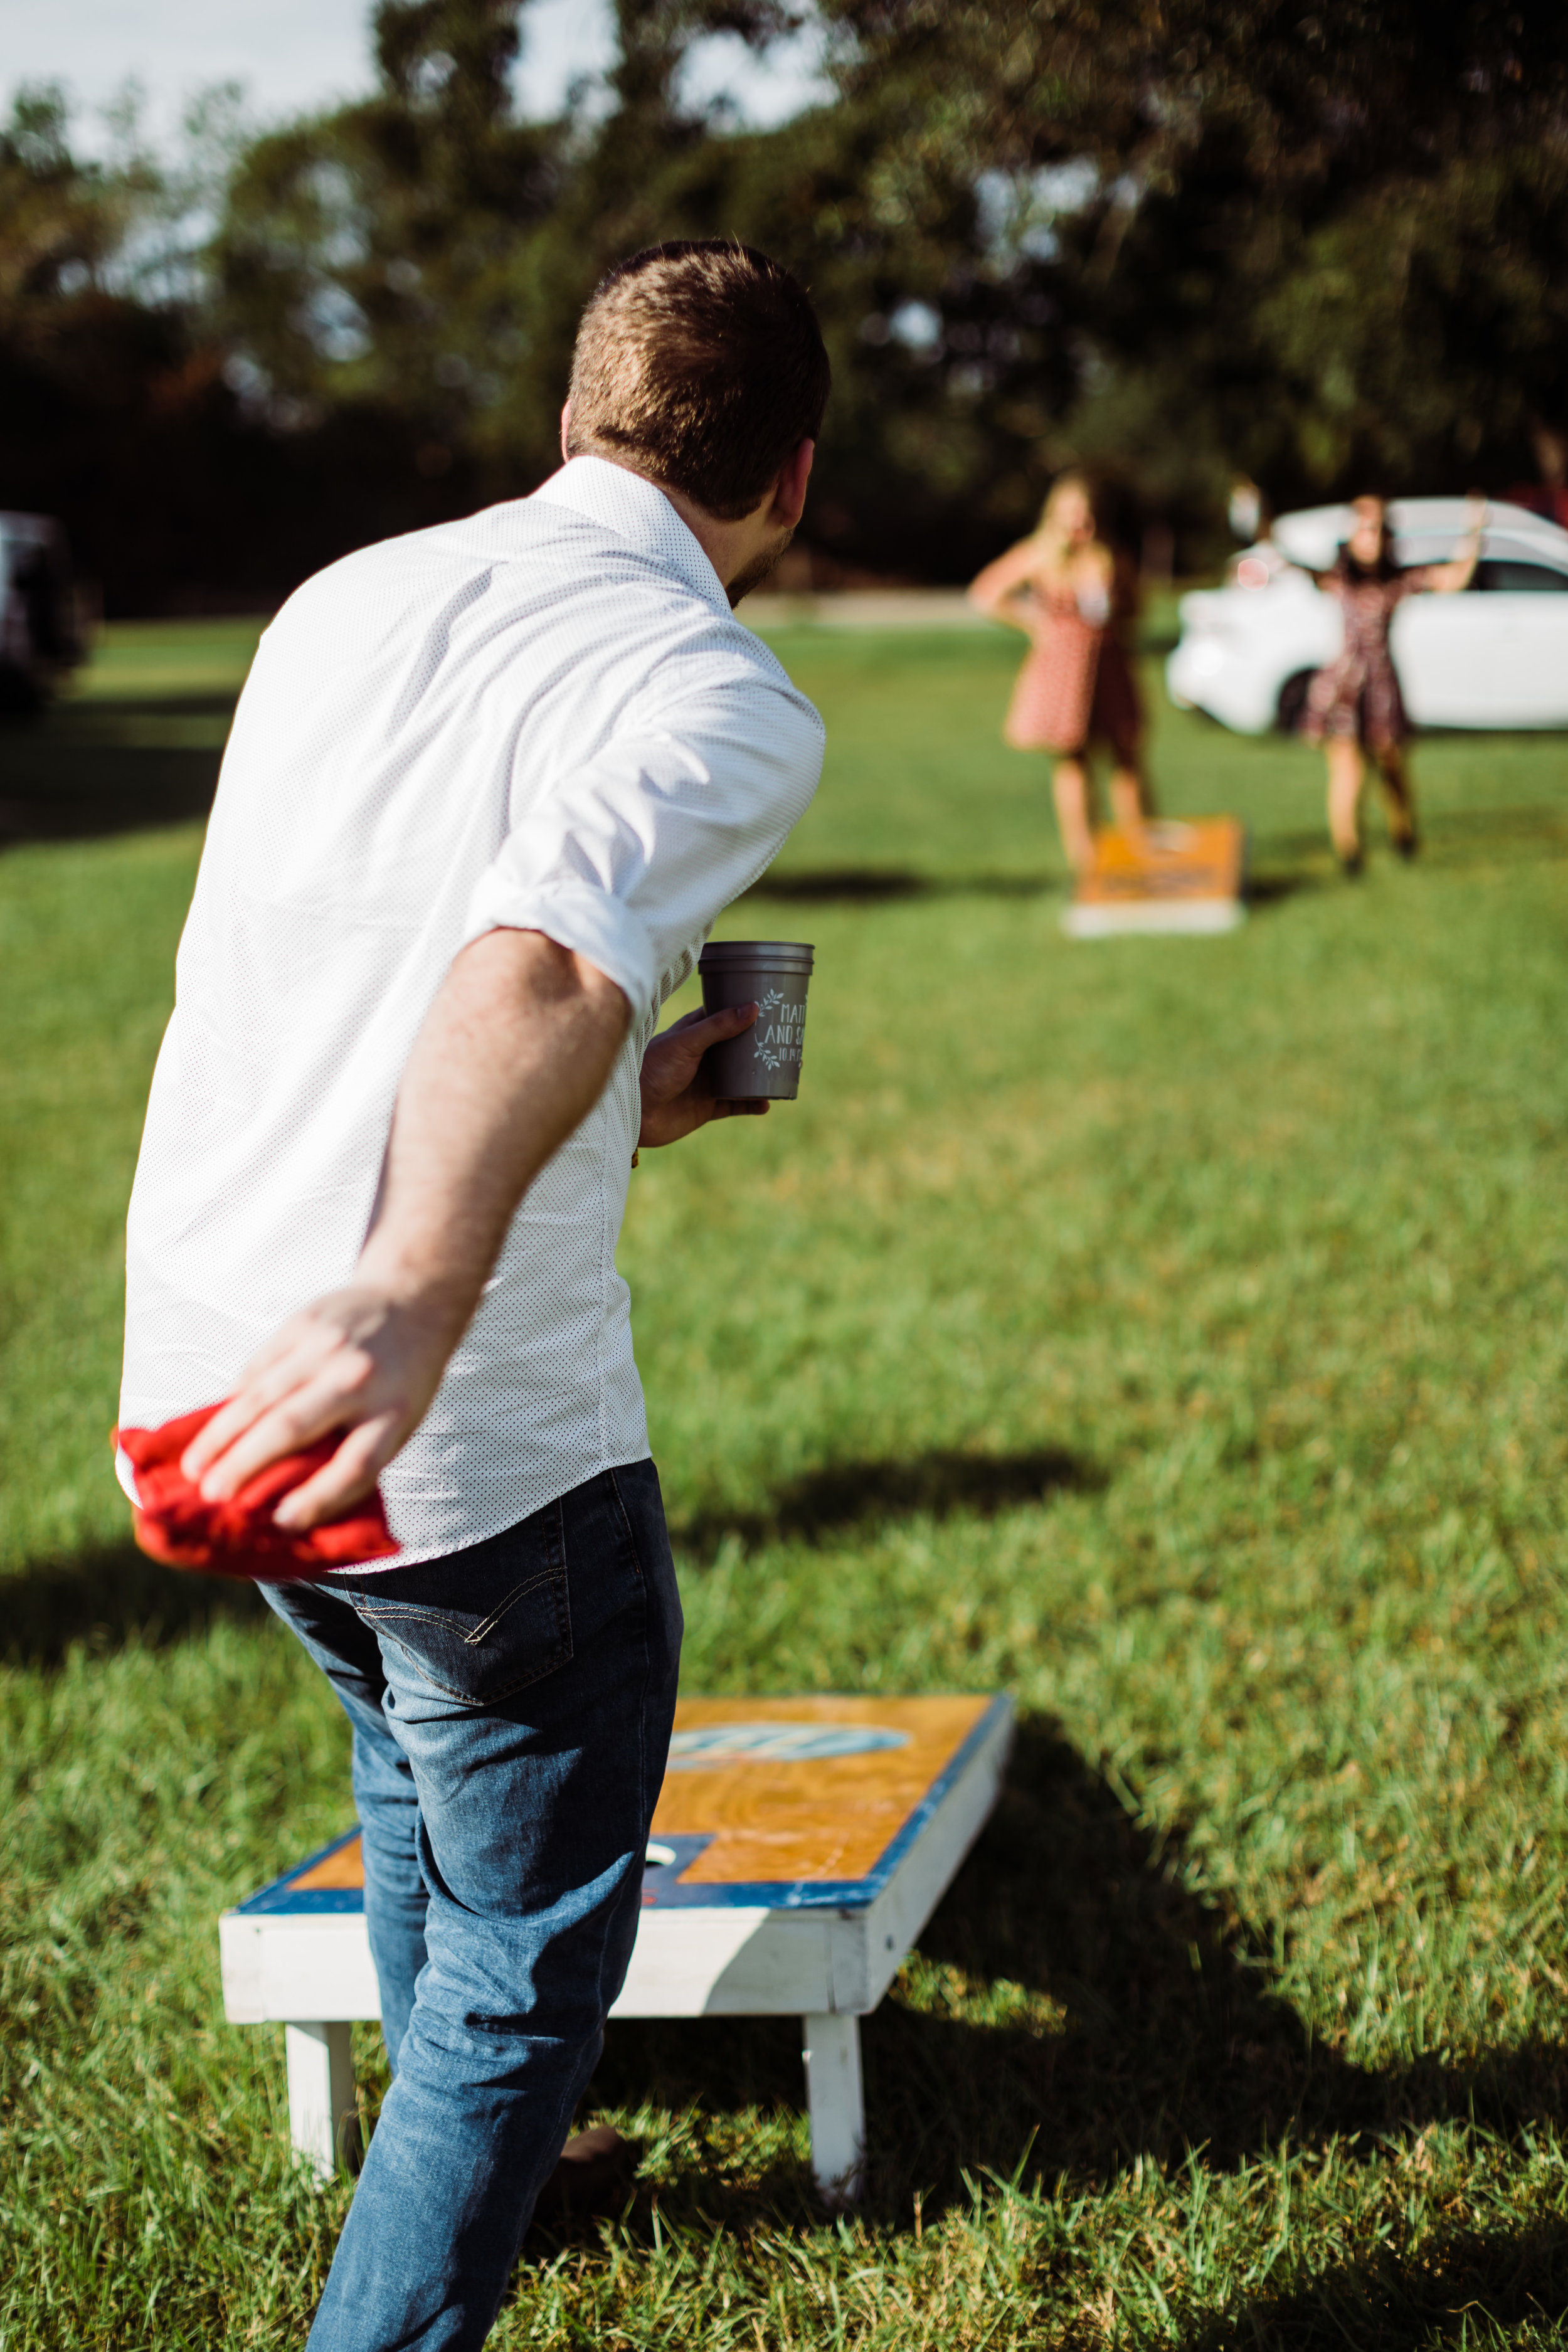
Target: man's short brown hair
x=702, y=366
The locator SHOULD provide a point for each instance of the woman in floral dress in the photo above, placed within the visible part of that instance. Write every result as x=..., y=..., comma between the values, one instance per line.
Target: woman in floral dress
x=1354, y=704
x=1072, y=597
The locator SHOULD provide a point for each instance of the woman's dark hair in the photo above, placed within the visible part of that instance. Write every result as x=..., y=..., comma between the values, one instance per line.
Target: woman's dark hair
x=1350, y=567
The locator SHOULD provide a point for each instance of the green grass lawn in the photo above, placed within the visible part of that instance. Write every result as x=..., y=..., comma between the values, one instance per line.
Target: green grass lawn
x=1169, y=1332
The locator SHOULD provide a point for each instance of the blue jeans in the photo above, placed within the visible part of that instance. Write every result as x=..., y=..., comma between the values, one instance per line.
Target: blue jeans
x=512, y=1706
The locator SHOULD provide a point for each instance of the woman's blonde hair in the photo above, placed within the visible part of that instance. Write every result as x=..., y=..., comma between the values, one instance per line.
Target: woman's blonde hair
x=1048, y=530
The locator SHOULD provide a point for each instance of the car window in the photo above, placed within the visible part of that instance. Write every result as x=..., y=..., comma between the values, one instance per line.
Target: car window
x=1416, y=549
x=1498, y=572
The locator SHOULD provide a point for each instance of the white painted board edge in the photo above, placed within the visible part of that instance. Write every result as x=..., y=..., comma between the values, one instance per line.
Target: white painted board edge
x=690, y=1961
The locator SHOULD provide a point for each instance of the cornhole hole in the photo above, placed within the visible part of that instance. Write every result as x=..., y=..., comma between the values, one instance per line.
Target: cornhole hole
x=1167, y=876
x=798, y=1848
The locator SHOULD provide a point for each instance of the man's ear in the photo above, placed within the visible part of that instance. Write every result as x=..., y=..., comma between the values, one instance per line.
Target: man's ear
x=565, y=430
x=789, y=496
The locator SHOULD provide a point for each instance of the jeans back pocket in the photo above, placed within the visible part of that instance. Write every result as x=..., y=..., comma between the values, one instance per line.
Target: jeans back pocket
x=482, y=1624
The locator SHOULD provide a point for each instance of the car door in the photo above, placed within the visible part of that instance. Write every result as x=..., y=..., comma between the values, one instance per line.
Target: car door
x=1440, y=651
x=1494, y=655
x=1526, y=633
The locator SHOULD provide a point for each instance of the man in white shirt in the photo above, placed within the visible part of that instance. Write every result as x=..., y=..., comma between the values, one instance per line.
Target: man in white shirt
x=487, y=788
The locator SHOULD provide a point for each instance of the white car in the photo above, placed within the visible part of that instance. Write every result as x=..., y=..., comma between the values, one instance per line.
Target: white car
x=1495, y=655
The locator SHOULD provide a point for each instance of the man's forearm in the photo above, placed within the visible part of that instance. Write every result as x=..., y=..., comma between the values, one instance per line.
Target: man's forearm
x=513, y=1055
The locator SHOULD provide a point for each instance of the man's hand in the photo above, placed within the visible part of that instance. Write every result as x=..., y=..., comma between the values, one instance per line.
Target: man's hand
x=358, y=1359
x=671, y=1104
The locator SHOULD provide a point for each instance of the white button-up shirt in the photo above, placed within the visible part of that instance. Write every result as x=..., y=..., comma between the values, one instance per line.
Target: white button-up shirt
x=543, y=718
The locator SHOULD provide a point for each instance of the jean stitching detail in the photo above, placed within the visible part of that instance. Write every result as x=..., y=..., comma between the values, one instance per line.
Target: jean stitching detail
x=625, y=1517
x=378, y=1613
x=561, y=1657
x=563, y=1585
x=382, y=1617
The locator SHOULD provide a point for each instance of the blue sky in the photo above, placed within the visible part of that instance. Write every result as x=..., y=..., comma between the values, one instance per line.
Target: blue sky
x=296, y=54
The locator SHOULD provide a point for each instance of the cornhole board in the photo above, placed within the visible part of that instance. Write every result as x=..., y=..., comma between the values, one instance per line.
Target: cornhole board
x=1167, y=876
x=798, y=1848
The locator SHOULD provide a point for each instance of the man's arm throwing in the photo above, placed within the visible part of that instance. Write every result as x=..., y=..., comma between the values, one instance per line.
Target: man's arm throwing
x=513, y=1055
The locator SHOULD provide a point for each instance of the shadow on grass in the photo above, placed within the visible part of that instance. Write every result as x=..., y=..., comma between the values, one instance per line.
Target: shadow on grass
x=1268, y=889
x=864, y=885
x=1449, y=837
x=81, y=771
x=1131, y=2018
x=1462, y=2286
x=108, y=1599
x=847, y=1494
x=115, y=1595
x=1473, y=836
x=874, y=885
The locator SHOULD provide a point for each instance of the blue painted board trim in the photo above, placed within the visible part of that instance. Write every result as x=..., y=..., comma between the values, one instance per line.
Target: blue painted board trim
x=659, y=1879
x=666, y=1889
x=279, y=1897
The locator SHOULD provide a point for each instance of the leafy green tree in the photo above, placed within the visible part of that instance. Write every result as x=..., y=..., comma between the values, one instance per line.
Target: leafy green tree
x=1165, y=240
x=109, y=405
x=377, y=258
x=1321, y=246
x=424, y=255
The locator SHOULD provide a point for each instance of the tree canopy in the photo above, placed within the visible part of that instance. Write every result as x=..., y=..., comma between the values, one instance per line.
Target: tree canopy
x=1171, y=239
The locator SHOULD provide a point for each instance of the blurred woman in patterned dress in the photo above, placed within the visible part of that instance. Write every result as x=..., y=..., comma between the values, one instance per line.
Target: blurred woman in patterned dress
x=1072, y=598
x=1354, y=704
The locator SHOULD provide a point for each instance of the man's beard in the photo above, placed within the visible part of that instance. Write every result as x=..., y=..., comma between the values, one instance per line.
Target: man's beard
x=757, y=571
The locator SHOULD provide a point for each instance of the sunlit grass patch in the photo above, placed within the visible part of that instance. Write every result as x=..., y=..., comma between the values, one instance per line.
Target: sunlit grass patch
x=1171, y=1333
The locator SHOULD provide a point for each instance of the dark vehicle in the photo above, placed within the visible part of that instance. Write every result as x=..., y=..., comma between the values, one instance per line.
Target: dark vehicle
x=41, y=638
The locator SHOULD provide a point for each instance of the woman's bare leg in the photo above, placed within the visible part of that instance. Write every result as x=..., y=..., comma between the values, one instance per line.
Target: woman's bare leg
x=1071, y=785
x=1131, y=802
x=1346, y=777
x=1394, y=778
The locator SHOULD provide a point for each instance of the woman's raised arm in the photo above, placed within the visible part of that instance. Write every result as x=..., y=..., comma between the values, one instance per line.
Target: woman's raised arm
x=994, y=591
x=1448, y=579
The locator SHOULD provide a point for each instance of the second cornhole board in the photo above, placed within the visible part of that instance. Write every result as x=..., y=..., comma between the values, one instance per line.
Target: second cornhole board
x=799, y=1847
x=1171, y=874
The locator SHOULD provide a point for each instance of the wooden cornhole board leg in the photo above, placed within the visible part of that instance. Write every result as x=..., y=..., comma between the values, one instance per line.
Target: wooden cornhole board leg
x=323, y=2107
x=323, y=2104
x=836, y=2104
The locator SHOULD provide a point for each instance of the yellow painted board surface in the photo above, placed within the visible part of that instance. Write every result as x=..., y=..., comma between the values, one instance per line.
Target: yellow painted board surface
x=1190, y=857
x=772, y=1817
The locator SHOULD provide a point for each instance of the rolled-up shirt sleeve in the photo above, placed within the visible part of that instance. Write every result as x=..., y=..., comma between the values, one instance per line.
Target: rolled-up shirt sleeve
x=628, y=859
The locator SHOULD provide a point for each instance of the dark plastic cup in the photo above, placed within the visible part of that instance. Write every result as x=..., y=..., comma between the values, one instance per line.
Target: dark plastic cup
x=764, y=1061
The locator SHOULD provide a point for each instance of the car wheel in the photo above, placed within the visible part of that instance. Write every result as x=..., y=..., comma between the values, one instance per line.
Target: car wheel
x=1292, y=702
